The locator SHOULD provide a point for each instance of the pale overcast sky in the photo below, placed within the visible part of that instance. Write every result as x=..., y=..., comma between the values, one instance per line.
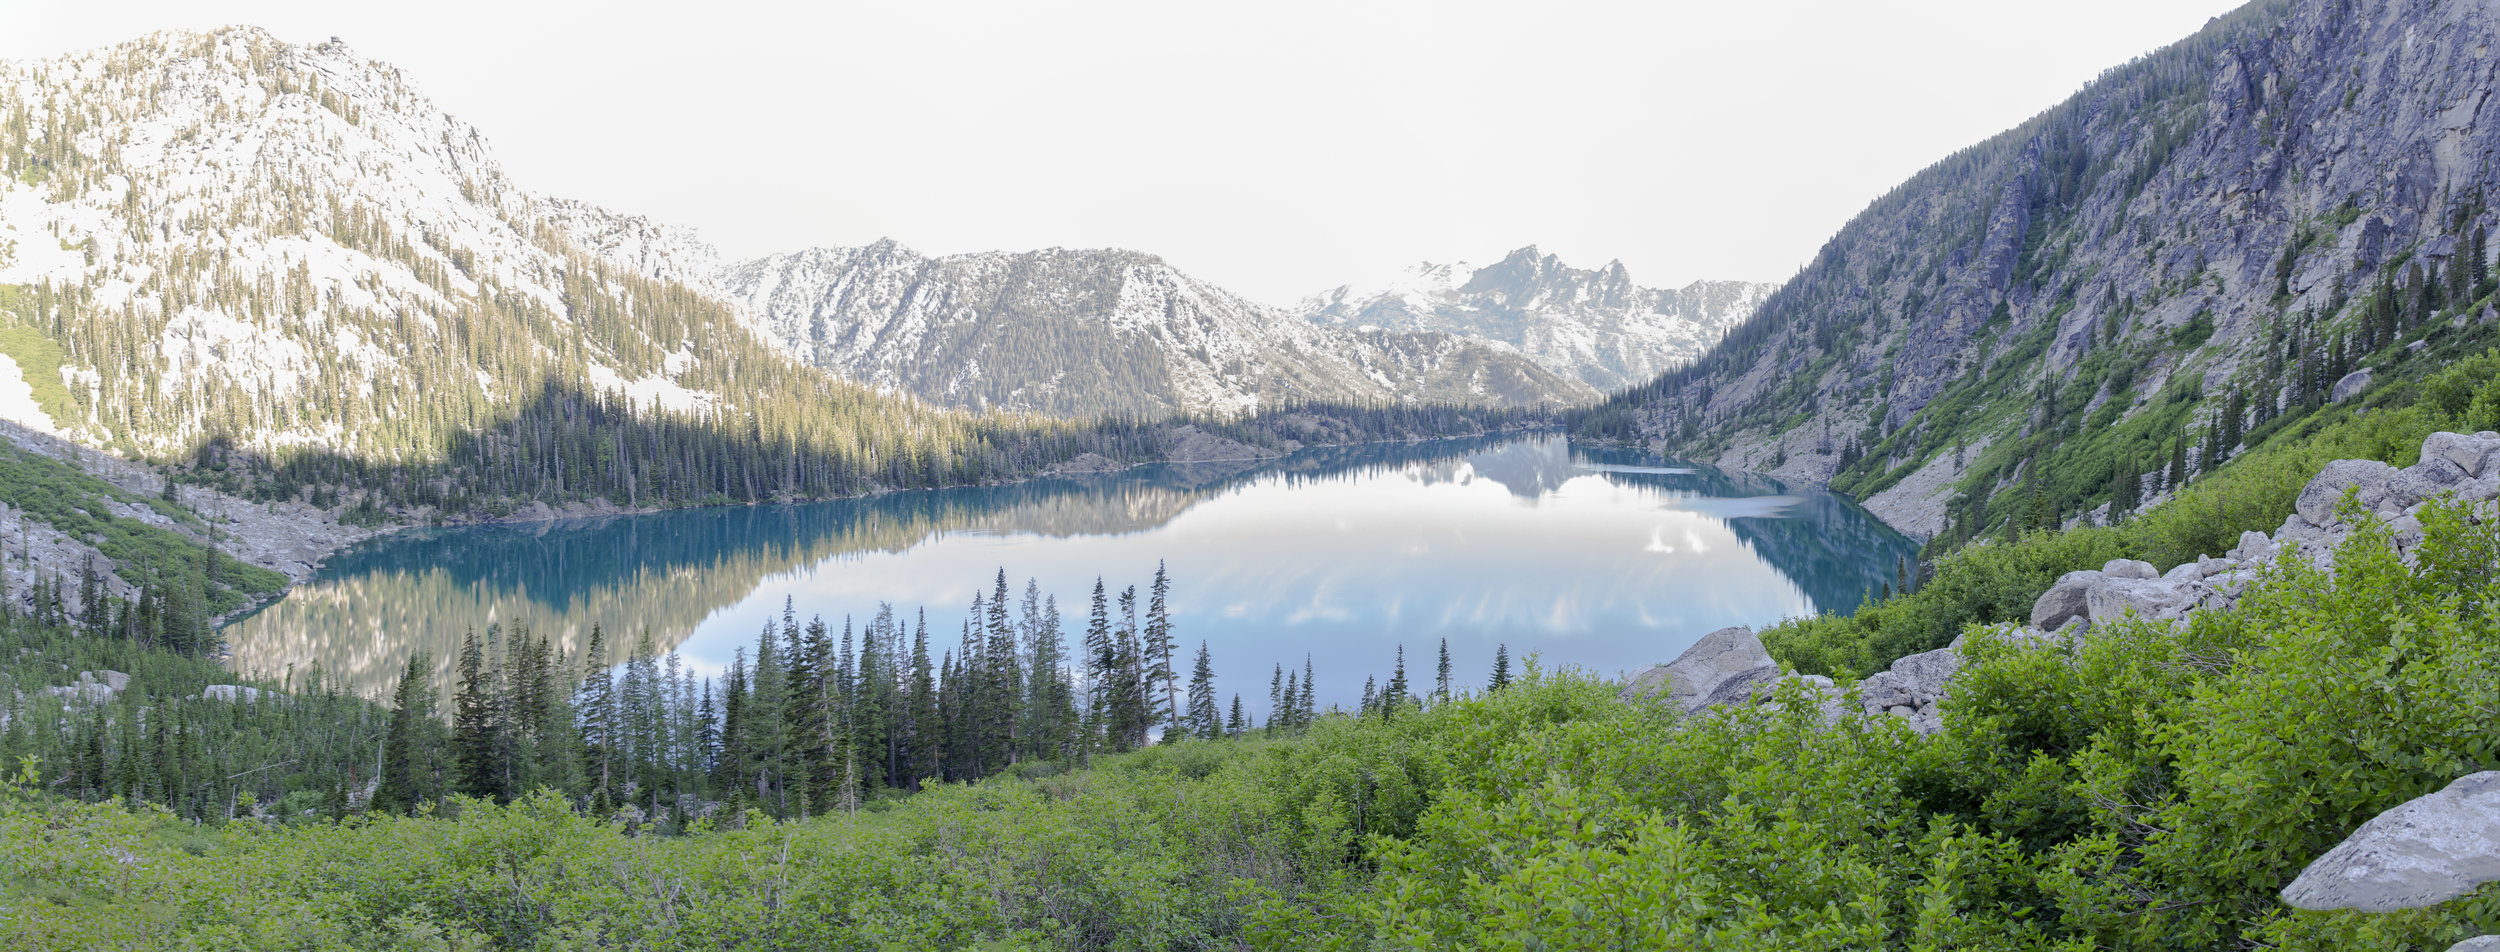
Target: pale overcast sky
x=1277, y=148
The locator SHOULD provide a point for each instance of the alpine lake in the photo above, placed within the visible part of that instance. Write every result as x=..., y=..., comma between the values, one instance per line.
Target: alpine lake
x=1598, y=559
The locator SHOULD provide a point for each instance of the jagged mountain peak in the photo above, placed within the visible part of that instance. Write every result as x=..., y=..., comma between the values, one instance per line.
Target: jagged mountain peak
x=1092, y=331
x=1598, y=326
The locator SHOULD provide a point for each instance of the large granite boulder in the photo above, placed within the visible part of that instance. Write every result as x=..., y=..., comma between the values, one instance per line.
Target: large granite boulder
x=2480, y=943
x=2471, y=454
x=1725, y=665
x=2368, y=477
x=2153, y=599
x=2350, y=384
x=2426, y=851
x=2064, y=600
x=2129, y=568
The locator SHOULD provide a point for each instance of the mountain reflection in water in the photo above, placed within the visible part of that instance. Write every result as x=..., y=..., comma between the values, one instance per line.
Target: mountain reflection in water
x=1599, y=559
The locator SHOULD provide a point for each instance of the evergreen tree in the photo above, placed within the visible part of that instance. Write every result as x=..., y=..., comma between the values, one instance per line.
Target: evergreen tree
x=921, y=730
x=1276, y=696
x=1051, y=711
x=595, y=705
x=412, y=751
x=477, y=725
x=1236, y=725
x=1306, y=709
x=1159, y=647
x=1501, y=668
x=1441, y=675
x=1101, y=665
x=1205, y=718
x=1395, y=696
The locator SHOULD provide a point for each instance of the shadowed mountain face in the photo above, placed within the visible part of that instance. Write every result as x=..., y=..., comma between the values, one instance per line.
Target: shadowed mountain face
x=1595, y=326
x=2199, y=240
x=1603, y=558
x=1097, y=332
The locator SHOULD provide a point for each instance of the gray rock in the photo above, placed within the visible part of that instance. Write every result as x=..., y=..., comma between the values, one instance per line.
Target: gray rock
x=2209, y=566
x=114, y=680
x=2254, y=546
x=2438, y=471
x=2369, y=477
x=2426, y=851
x=2064, y=600
x=2130, y=568
x=2488, y=487
x=2183, y=572
x=2152, y=599
x=2352, y=383
x=2467, y=452
x=84, y=692
x=1729, y=660
x=1923, y=676
x=235, y=693
x=2407, y=531
x=2480, y=943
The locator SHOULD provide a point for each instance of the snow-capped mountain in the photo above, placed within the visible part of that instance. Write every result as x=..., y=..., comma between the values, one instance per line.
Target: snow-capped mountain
x=1595, y=326
x=1087, y=332
x=224, y=234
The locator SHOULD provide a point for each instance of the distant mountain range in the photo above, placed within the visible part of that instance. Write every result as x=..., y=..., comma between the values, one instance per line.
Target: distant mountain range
x=1595, y=326
x=1082, y=333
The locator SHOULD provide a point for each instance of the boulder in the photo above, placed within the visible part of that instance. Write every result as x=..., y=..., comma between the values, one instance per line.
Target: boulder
x=1923, y=675
x=2467, y=452
x=2480, y=943
x=2129, y=568
x=2352, y=383
x=2426, y=851
x=2152, y=599
x=114, y=680
x=2369, y=478
x=1725, y=665
x=2254, y=546
x=2064, y=600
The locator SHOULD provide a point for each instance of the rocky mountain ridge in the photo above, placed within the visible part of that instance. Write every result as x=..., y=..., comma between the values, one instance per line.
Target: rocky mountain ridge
x=2129, y=287
x=1597, y=326
x=1092, y=332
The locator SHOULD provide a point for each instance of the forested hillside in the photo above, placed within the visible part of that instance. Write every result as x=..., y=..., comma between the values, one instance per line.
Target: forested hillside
x=222, y=247
x=2169, y=267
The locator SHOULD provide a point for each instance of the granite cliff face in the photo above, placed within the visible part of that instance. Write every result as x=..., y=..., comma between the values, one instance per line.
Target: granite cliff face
x=2199, y=242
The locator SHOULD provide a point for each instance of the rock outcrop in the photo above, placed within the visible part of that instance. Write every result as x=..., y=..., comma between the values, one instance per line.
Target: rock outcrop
x=1730, y=665
x=2427, y=851
x=1725, y=665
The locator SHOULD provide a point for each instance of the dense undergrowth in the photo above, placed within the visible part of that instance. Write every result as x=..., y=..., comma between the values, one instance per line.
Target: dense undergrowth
x=2148, y=788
